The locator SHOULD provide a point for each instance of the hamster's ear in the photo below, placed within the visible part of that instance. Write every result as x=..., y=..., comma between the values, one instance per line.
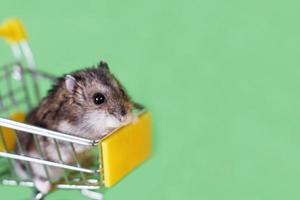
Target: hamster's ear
x=70, y=82
x=103, y=65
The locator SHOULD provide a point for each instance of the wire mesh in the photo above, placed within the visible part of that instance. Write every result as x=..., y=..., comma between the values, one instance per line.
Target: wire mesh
x=18, y=93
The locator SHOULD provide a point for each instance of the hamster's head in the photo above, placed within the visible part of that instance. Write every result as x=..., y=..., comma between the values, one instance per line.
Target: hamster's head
x=102, y=102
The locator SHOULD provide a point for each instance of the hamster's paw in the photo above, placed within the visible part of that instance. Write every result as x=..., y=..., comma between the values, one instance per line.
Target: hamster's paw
x=134, y=118
x=42, y=185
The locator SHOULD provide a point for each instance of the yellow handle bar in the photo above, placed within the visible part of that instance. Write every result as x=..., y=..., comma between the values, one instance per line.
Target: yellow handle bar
x=13, y=30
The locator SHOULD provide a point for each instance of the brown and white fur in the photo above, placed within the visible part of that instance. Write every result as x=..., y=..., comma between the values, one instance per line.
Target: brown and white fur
x=70, y=108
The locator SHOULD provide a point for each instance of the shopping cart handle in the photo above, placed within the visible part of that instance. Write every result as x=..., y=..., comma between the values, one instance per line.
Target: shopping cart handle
x=13, y=30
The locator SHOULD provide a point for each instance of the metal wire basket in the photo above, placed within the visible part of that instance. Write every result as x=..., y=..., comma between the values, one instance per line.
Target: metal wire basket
x=20, y=89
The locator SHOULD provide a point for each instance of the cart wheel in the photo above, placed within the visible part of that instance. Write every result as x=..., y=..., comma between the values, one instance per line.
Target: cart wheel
x=92, y=195
x=38, y=196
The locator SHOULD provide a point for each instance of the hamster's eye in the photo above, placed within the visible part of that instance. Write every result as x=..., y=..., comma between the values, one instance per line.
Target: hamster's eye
x=98, y=98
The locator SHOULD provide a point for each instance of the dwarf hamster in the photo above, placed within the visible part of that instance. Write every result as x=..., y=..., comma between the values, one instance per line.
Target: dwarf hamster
x=86, y=103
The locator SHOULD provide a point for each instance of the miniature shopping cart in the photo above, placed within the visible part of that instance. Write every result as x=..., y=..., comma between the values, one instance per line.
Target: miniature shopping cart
x=21, y=87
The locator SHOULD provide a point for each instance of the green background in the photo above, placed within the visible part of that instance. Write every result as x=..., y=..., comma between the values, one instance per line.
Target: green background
x=221, y=79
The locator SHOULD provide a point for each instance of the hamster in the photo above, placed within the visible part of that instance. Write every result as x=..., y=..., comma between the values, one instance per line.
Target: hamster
x=88, y=103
